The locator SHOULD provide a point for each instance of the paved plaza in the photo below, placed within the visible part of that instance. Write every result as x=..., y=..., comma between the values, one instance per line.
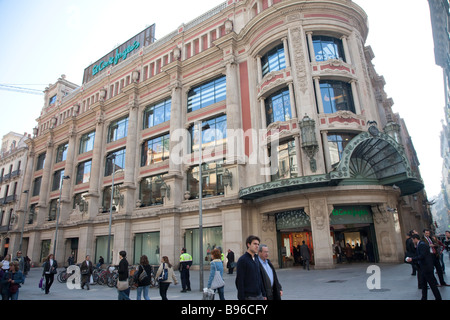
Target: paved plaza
x=345, y=282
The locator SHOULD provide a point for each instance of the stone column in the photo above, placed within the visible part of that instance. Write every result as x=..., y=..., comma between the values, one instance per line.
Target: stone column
x=287, y=57
x=320, y=225
x=326, y=150
x=355, y=97
x=66, y=203
x=346, y=51
x=318, y=95
x=312, y=54
x=46, y=182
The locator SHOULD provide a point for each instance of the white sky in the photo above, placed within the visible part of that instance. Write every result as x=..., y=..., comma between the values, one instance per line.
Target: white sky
x=43, y=39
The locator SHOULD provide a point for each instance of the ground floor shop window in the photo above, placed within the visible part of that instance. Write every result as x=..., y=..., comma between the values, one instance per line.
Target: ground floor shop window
x=212, y=238
x=101, y=248
x=147, y=244
x=45, y=249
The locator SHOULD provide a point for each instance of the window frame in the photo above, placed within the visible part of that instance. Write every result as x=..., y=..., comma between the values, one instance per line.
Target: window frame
x=61, y=152
x=320, y=40
x=84, y=145
x=83, y=180
x=165, y=105
x=117, y=129
x=121, y=154
x=292, y=164
x=268, y=63
x=331, y=106
x=284, y=95
x=201, y=93
x=145, y=147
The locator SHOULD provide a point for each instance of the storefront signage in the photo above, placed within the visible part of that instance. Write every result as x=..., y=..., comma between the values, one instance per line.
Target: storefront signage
x=350, y=212
x=114, y=60
x=121, y=53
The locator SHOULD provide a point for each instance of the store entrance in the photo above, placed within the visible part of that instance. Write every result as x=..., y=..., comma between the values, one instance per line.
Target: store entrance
x=290, y=247
x=355, y=244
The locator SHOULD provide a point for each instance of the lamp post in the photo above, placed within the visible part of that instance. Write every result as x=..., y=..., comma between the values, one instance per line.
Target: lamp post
x=113, y=158
x=57, y=214
x=23, y=223
x=200, y=196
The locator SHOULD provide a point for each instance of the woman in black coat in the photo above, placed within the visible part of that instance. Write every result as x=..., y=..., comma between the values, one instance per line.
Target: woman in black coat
x=123, y=275
x=50, y=266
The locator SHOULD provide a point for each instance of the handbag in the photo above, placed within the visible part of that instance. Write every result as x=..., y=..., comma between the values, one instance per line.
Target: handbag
x=208, y=294
x=164, y=275
x=41, y=282
x=122, y=285
x=143, y=275
x=217, y=281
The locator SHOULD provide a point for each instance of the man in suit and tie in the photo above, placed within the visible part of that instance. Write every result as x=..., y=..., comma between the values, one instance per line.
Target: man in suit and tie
x=424, y=260
x=435, y=254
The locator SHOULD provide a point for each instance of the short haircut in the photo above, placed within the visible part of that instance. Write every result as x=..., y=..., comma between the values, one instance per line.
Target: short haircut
x=415, y=236
x=261, y=246
x=250, y=240
x=123, y=254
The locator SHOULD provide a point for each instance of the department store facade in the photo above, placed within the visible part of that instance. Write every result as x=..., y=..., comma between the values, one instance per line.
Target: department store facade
x=299, y=142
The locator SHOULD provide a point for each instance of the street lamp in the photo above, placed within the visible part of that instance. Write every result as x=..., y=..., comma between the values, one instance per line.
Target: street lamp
x=200, y=196
x=57, y=214
x=23, y=223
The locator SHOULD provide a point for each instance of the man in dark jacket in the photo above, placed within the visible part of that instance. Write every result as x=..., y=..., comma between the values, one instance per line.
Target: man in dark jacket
x=269, y=276
x=249, y=282
x=424, y=260
x=86, y=270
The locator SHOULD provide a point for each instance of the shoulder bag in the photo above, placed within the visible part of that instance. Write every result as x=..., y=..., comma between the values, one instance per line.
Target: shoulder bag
x=217, y=281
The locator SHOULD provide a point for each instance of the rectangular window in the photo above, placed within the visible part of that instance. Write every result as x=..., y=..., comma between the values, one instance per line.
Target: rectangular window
x=278, y=107
x=119, y=161
x=212, y=184
x=214, y=136
x=36, y=186
x=285, y=158
x=212, y=238
x=155, y=150
x=326, y=48
x=336, y=95
x=336, y=144
x=61, y=152
x=207, y=94
x=150, y=191
x=83, y=172
x=57, y=176
x=273, y=60
x=40, y=161
x=107, y=198
x=158, y=113
x=53, y=209
x=77, y=199
x=118, y=130
x=52, y=100
x=87, y=142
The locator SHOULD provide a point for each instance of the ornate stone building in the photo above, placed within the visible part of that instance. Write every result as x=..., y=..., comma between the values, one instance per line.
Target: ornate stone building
x=298, y=142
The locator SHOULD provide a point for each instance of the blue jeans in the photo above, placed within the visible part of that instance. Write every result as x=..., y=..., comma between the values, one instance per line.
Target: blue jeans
x=221, y=291
x=143, y=289
x=124, y=295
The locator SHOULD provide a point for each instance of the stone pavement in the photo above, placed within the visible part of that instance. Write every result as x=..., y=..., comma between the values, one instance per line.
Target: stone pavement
x=345, y=282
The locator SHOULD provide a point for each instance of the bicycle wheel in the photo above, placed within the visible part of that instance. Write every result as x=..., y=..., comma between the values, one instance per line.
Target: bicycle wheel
x=62, y=276
x=112, y=281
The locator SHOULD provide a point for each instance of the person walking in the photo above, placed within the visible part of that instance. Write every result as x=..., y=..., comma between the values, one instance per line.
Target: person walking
x=86, y=270
x=305, y=255
x=185, y=264
x=49, y=271
x=164, y=284
x=122, y=284
x=143, y=278
x=216, y=265
x=230, y=261
x=11, y=282
x=411, y=249
x=269, y=276
x=434, y=250
x=6, y=261
x=424, y=260
x=248, y=281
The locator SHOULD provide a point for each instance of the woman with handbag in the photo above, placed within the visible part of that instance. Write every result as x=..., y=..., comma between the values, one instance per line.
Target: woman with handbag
x=86, y=270
x=50, y=266
x=142, y=278
x=216, y=274
x=165, y=275
x=122, y=283
x=12, y=280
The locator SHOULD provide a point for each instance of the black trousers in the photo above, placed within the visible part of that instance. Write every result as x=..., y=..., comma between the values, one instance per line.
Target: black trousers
x=427, y=278
x=49, y=281
x=185, y=281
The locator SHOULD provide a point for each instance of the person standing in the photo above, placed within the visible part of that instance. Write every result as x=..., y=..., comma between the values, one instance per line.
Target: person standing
x=20, y=259
x=14, y=278
x=50, y=266
x=305, y=255
x=143, y=279
x=124, y=293
x=269, y=276
x=86, y=269
x=424, y=260
x=249, y=282
x=216, y=265
x=410, y=250
x=164, y=284
x=230, y=261
x=185, y=264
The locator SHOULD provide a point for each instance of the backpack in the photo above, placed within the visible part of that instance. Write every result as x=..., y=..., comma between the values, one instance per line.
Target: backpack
x=164, y=275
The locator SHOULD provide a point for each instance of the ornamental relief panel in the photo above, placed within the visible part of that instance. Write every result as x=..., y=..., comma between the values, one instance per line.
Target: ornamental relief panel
x=274, y=80
x=333, y=67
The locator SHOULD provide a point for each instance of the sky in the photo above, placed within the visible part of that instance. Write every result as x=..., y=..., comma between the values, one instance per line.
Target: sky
x=43, y=39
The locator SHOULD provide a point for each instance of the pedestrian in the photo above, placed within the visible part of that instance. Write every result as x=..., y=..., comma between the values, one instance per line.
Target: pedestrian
x=86, y=270
x=164, y=284
x=21, y=260
x=248, y=281
x=230, y=261
x=434, y=250
x=11, y=281
x=71, y=260
x=348, y=252
x=270, y=280
x=6, y=260
x=410, y=250
x=185, y=264
x=424, y=260
x=305, y=255
x=122, y=283
x=49, y=271
x=216, y=265
x=101, y=261
x=143, y=277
